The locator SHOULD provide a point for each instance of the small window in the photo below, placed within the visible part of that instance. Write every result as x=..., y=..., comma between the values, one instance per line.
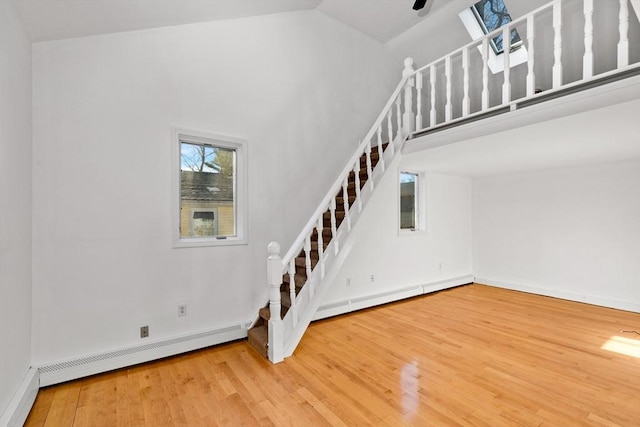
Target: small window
x=210, y=187
x=411, y=201
x=491, y=15
x=408, y=201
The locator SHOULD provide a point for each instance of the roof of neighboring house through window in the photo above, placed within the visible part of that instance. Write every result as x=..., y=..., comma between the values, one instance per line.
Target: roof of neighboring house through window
x=206, y=186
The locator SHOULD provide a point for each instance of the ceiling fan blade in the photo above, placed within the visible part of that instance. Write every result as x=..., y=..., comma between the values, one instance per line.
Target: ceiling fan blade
x=419, y=4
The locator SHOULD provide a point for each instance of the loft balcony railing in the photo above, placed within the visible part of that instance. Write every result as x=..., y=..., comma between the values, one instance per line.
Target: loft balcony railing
x=565, y=51
x=568, y=45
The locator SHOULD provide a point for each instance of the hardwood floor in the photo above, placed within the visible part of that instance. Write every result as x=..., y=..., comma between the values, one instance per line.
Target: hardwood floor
x=469, y=356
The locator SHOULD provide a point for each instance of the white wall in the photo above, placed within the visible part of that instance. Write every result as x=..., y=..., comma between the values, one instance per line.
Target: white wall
x=15, y=203
x=571, y=233
x=398, y=262
x=300, y=87
x=424, y=42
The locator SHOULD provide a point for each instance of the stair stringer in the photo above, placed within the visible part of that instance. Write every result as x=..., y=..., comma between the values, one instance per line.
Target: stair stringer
x=296, y=322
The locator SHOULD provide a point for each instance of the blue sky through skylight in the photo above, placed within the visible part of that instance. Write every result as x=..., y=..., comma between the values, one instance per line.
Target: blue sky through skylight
x=493, y=14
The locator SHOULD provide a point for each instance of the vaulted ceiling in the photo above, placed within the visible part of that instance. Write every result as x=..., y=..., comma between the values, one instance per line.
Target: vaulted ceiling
x=392, y=22
x=58, y=19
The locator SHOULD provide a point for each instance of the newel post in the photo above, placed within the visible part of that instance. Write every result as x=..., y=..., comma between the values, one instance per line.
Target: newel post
x=408, y=118
x=274, y=279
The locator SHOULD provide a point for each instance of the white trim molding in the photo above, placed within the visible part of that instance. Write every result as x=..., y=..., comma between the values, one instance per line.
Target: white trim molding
x=366, y=301
x=420, y=190
x=18, y=410
x=633, y=306
x=241, y=209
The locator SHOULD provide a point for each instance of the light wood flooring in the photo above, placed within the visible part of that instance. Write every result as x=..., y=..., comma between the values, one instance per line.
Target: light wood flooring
x=469, y=356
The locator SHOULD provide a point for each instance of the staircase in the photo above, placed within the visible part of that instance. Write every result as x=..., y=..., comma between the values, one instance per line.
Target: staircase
x=259, y=333
x=298, y=280
x=431, y=99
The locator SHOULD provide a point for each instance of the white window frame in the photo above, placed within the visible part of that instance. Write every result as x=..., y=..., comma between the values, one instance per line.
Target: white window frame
x=421, y=206
x=180, y=135
x=495, y=62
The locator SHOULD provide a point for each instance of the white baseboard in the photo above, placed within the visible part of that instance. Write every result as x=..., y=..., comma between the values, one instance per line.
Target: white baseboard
x=557, y=293
x=366, y=301
x=18, y=410
x=54, y=373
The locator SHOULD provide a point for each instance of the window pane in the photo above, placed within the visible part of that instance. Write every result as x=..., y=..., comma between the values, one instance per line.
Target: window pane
x=493, y=14
x=207, y=191
x=408, y=200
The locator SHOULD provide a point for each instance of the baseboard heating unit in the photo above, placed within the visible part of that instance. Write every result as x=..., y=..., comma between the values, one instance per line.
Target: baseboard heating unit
x=102, y=362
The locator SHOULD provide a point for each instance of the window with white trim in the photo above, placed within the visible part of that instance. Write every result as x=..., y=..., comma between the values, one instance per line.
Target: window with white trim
x=411, y=201
x=486, y=16
x=210, y=189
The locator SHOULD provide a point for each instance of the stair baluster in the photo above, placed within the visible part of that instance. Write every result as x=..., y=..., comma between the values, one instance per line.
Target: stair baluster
x=356, y=171
x=531, y=74
x=448, y=108
x=418, y=102
x=623, y=44
x=307, y=256
x=334, y=230
x=408, y=120
x=485, y=74
x=587, y=59
x=369, y=167
x=292, y=290
x=466, y=103
x=399, y=113
x=380, y=157
x=557, y=44
x=319, y=228
x=432, y=81
x=390, y=129
x=345, y=202
x=506, y=45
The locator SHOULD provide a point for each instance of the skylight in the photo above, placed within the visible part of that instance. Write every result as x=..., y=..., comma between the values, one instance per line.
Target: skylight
x=491, y=15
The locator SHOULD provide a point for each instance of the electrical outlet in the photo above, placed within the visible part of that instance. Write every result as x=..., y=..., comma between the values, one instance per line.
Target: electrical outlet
x=373, y=278
x=182, y=310
x=348, y=281
x=144, y=331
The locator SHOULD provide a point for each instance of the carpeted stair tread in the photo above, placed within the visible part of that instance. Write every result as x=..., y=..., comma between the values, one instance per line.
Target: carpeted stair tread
x=258, y=335
x=300, y=279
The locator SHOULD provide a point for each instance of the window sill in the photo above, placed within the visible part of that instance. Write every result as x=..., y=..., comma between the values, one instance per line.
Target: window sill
x=200, y=243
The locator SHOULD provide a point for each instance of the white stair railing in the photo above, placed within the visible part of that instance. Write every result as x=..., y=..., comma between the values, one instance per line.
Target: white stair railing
x=482, y=92
x=438, y=103
x=286, y=332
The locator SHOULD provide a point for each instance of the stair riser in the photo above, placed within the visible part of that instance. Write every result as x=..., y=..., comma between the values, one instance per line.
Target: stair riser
x=339, y=215
x=258, y=340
